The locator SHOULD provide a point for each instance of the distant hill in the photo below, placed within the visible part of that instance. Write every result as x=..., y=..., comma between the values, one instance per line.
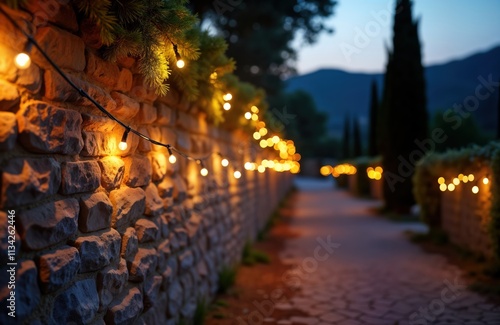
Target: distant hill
x=338, y=92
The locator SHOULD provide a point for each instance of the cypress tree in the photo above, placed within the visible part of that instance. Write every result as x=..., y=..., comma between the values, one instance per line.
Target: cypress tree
x=374, y=116
x=405, y=114
x=358, y=151
x=346, y=142
x=498, y=114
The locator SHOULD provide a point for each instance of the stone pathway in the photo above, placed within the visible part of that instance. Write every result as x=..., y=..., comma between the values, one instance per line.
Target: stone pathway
x=354, y=268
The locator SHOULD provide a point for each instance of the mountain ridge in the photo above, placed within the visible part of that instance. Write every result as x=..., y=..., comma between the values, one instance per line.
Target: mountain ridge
x=339, y=93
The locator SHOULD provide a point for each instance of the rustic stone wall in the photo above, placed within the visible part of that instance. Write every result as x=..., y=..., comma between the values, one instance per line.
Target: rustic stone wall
x=465, y=216
x=105, y=236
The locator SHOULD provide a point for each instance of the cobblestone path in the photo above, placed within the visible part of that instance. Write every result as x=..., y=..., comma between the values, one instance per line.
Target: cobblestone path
x=353, y=268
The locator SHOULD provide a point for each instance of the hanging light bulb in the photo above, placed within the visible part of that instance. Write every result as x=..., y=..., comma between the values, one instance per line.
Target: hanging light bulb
x=224, y=162
x=180, y=62
x=486, y=180
x=227, y=106
x=475, y=189
x=22, y=61
x=171, y=157
x=227, y=97
x=204, y=172
x=248, y=115
x=237, y=174
x=256, y=135
x=123, y=143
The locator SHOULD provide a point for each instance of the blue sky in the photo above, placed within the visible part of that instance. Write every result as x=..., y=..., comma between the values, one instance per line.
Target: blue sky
x=449, y=29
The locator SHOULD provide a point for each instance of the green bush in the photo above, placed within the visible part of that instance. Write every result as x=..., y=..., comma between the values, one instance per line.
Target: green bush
x=227, y=277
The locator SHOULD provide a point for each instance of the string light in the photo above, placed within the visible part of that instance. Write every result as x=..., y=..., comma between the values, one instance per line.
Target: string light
x=456, y=181
x=224, y=162
x=443, y=187
x=123, y=143
x=441, y=180
x=263, y=131
x=180, y=62
x=248, y=166
x=475, y=189
x=248, y=115
x=23, y=61
x=451, y=187
x=256, y=136
x=486, y=181
x=237, y=174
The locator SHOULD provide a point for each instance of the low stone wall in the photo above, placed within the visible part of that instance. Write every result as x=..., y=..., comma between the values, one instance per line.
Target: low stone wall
x=466, y=216
x=377, y=189
x=105, y=236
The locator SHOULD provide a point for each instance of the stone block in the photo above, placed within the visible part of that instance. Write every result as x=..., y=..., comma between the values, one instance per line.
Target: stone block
x=183, y=141
x=95, y=212
x=147, y=114
x=147, y=231
x=80, y=176
x=151, y=291
x=144, y=145
x=9, y=97
x=67, y=50
x=174, y=298
x=49, y=223
x=159, y=165
x=57, y=89
x=77, y=305
x=29, y=180
x=110, y=283
x=125, y=309
x=137, y=171
x=164, y=253
x=58, y=268
x=46, y=128
x=186, y=260
x=98, y=251
x=154, y=203
x=126, y=107
x=169, y=272
x=8, y=130
x=165, y=115
x=124, y=82
x=128, y=206
x=141, y=89
x=166, y=188
x=60, y=13
x=130, y=244
x=112, y=172
x=103, y=72
x=143, y=265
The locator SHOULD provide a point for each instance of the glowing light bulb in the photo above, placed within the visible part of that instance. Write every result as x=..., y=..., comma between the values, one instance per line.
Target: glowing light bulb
x=123, y=143
x=254, y=109
x=451, y=187
x=261, y=169
x=22, y=61
x=443, y=187
x=204, y=172
x=256, y=136
x=224, y=162
x=441, y=180
x=248, y=115
x=263, y=131
x=181, y=64
x=486, y=180
x=172, y=159
x=248, y=166
x=475, y=189
x=227, y=97
x=237, y=174
x=122, y=146
x=255, y=117
x=471, y=178
x=456, y=181
x=263, y=143
x=227, y=106
x=276, y=139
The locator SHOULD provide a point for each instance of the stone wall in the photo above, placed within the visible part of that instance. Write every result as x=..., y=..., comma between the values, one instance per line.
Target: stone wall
x=465, y=216
x=105, y=236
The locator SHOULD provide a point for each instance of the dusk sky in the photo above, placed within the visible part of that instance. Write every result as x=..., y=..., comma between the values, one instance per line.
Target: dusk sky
x=449, y=29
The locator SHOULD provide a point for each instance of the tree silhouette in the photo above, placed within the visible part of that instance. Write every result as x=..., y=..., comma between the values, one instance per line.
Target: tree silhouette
x=498, y=113
x=374, y=121
x=357, y=149
x=346, y=141
x=405, y=115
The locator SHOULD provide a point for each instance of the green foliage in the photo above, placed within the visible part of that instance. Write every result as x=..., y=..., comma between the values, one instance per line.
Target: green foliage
x=346, y=139
x=449, y=164
x=251, y=256
x=200, y=313
x=457, y=137
x=374, y=116
x=357, y=146
x=227, y=277
x=404, y=113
